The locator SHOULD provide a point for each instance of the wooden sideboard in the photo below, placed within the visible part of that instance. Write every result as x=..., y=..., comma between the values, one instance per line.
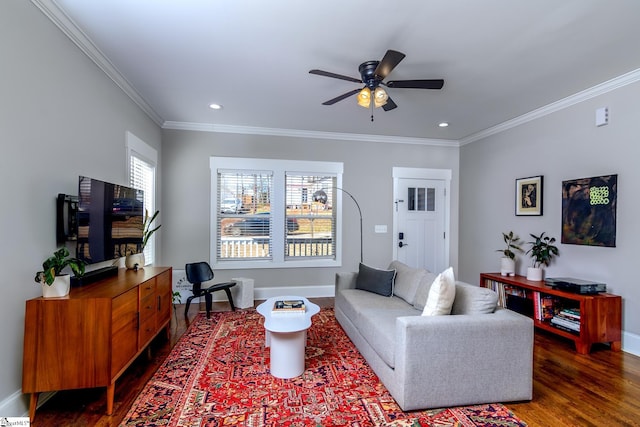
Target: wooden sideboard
x=89, y=338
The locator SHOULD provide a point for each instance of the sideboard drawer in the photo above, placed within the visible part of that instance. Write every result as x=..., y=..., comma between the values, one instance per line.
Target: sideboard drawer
x=147, y=288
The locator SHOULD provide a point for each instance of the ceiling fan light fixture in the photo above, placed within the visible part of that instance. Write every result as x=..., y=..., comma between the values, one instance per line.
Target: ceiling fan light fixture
x=380, y=97
x=364, y=97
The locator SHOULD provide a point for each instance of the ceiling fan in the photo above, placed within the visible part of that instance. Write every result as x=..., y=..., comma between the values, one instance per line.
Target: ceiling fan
x=372, y=74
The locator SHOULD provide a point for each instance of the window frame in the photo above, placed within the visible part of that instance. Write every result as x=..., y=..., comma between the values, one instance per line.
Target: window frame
x=278, y=209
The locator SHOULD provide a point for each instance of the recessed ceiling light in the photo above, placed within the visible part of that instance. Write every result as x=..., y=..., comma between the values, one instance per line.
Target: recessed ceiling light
x=215, y=106
x=443, y=124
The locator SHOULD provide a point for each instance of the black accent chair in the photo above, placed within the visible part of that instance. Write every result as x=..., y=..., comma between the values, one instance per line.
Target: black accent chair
x=199, y=272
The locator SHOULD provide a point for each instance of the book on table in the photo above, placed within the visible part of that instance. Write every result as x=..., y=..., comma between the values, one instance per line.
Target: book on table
x=295, y=306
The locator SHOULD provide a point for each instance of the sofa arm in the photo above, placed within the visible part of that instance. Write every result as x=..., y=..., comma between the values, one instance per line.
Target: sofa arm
x=464, y=359
x=345, y=281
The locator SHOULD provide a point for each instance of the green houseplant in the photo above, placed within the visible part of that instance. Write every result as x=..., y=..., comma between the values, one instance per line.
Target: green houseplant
x=147, y=227
x=54, y=283
x=542, y=251
x=136, y=260
x=508, y=261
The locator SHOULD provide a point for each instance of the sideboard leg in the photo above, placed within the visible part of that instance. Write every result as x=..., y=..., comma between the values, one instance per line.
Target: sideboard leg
x=616, y=345
x=33, y=403
x=111, y=388
x=582, y=347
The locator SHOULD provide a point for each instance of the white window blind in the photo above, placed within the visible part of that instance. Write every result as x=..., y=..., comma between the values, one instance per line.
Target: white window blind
x=142, y=176
x=244, y=221
x=310, y=216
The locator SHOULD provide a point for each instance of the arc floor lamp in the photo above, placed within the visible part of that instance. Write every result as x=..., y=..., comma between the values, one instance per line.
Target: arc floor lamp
x=320, y=196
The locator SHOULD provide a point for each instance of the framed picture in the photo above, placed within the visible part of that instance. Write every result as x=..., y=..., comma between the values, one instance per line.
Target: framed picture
x=589, y=211
x=529, y=196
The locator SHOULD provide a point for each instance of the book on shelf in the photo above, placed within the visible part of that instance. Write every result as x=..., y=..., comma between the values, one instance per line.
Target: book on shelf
x=295, y=306
x=547, y=307
x=571, y=313
x=565, y=323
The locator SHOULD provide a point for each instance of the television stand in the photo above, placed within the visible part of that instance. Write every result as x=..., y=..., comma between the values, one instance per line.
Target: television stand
x=89, y=339
x=94, y=275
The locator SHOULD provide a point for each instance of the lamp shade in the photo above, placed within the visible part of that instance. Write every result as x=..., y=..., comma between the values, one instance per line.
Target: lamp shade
x=364, y=97
x=380, y=97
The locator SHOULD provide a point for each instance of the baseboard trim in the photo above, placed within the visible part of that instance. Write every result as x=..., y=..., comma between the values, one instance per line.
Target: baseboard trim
x=631, y=343
x=17, y=403
x=303, y=291
x=316, y=291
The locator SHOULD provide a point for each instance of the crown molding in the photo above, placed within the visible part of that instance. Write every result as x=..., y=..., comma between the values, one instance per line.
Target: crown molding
x=293, y=133
x=592, y=92
x=51, y=9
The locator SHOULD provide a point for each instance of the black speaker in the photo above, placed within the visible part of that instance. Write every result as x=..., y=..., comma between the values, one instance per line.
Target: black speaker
x=66, y=218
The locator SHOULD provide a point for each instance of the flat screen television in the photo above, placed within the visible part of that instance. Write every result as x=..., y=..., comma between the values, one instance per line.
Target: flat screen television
x=110, y=220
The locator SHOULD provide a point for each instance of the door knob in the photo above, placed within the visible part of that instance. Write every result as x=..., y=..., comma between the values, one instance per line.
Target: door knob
x=400, y=244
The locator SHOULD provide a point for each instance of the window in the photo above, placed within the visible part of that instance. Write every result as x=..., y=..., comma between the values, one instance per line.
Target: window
x=274, y=213
x=310, y=220
x=142, y=175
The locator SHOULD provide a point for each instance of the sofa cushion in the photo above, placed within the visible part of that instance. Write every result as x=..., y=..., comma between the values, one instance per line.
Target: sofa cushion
x=375, y=317
x=407, y=280
x=423, y=290
x=474, y=300
x=375, y=280
x=441, y=294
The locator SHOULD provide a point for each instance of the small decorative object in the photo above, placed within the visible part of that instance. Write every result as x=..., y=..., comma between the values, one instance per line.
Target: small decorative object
x=542, y=251
x=136, y=261
x=508, y=261
x=54, y=283
x=175, y=300
x=529, y=196
x=589, y=211
x=288, y=307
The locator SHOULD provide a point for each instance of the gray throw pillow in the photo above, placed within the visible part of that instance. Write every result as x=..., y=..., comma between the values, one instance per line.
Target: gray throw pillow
x=407, y=281
x=375, y=280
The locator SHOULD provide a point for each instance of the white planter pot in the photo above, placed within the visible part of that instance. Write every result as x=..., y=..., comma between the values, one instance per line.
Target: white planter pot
x=59, y=288
x=507, y=266
x=130, y=261
x=534, y=274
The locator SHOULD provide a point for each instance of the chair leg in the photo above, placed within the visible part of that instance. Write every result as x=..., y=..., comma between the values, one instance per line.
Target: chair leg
x=186, y=307
x=208, y=303
x=228, y=291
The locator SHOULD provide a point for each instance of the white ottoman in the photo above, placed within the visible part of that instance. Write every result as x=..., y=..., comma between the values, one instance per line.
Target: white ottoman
x=243, y=292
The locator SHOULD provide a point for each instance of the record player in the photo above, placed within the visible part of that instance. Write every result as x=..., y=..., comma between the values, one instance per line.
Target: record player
x=577, y=286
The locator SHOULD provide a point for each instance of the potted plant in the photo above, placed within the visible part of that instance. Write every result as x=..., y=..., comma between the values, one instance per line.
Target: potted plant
x=508, y=261
x=135, y=261
x=54, y=283
x=542, y=251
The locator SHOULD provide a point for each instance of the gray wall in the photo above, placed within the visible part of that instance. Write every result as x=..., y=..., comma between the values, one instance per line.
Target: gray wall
x=60, y=117
x=367, y=175
x=561, y=146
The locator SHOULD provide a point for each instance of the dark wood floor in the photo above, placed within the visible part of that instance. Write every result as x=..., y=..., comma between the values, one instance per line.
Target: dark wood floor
x=599, y=389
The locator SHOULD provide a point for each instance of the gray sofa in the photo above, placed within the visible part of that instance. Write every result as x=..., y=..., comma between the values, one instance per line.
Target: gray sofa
x=479, y=354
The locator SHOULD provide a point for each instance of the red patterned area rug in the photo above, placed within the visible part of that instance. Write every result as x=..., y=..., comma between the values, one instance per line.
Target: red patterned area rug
x=218, y=375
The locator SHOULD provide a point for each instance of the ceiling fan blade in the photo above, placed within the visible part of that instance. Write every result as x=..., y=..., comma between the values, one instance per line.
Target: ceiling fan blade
x=390, y=105
x=416, y=84
x=388, y=63
x=341, y=97
x=335, y=76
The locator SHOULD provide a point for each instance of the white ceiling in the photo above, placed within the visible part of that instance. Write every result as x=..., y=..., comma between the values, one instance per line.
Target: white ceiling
x=501, y=59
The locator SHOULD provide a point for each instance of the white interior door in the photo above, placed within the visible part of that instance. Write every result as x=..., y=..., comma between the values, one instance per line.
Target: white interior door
x=421, y=223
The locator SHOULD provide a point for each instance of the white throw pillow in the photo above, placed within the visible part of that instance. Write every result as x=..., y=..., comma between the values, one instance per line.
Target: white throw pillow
x=441, y=294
